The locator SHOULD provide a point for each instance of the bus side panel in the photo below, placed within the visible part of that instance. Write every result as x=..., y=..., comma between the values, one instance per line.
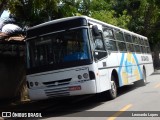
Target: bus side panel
x=105, y=68
x=112, y=60
x=102, y=76
x=147, y=63
x=112, y=64
x=149, y=69
x=123, y=76
x=136, y=68
x=130, y=68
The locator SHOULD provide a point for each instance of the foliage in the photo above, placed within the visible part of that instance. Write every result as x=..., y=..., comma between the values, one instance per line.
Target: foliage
x=109, y=17
x=140, y=16
x=33, y=12
x=146, y=19
x=37, y=11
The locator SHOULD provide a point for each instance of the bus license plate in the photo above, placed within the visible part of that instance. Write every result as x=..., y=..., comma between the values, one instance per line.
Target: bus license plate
x=73, y=88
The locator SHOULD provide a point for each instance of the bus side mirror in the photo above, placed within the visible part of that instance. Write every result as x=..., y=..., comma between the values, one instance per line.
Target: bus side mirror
x=95, y=30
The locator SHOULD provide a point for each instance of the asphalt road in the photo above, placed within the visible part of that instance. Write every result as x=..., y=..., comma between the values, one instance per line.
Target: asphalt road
x=132, y=103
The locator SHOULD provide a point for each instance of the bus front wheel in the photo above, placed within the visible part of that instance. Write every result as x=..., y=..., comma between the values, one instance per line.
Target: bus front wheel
x=112, y=93
x=109, y=94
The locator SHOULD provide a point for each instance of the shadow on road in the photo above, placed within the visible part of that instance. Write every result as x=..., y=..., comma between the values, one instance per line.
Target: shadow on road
x=71, y=108
x=61, y=107
x=156, y=73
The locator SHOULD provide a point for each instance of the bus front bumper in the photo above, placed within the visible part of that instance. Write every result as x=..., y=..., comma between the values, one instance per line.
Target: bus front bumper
x=83, y=88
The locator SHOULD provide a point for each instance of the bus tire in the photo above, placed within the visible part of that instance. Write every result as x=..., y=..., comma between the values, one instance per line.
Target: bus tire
x=142, y=82
x=109, y=94
x=144, y=77
x=112, y=93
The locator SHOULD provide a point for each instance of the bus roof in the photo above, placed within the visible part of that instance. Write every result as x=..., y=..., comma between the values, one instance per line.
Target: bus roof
x=87, y=19
x=115, y=27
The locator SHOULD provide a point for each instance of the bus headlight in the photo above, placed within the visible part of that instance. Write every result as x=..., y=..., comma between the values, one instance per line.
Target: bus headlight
x=85, y=75
x=36, y=83
x=79, y=77
x=31, y=84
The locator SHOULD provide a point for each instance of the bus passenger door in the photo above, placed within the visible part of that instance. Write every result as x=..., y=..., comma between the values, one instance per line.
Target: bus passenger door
x=100, y=55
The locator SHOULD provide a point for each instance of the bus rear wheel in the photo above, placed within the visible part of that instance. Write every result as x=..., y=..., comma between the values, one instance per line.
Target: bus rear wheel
x=112, y=93
x=144, y=78
x=142, y=82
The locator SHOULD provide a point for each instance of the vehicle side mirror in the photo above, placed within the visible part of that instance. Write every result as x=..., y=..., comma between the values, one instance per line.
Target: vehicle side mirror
x=95, y=30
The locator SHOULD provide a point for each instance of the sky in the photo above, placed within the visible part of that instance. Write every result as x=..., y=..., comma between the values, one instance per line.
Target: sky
x=5, y=14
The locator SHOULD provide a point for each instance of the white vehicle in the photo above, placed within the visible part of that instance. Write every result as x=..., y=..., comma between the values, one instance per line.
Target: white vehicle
x=83, y=56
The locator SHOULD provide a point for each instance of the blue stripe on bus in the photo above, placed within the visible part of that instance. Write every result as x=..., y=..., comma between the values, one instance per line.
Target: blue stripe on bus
x=119, y=71
x=139, y=69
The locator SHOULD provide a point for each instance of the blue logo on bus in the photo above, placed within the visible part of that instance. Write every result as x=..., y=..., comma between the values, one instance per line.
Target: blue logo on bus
x=128, y=67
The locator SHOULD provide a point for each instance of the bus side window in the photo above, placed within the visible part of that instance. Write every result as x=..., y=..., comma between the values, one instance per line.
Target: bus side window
x=144, y=49
x=148, y=50
x=130, y=47
x=135, y=40
x=141, y=48
x=137, y=48
x=128, y=37
x=109, y=40
x=121, y=43
x=122, y=46
x=119, y=35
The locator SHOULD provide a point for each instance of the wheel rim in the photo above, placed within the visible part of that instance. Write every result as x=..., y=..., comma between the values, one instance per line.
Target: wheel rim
x=113, y=88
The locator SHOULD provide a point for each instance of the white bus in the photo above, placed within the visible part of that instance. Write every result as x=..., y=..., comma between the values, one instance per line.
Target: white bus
x=83, y=56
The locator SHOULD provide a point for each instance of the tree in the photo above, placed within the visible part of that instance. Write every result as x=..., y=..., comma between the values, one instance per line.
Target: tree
x=145, y=16
x=103, y=10
x=150, y=26
x=140, y=16
x=33, y=11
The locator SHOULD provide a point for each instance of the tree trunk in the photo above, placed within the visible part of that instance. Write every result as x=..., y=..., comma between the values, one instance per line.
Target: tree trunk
x=156, y=57
x=12, y=76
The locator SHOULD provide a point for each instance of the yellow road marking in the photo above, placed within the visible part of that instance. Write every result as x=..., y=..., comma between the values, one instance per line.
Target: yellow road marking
x=114, y=116
x=158, y=85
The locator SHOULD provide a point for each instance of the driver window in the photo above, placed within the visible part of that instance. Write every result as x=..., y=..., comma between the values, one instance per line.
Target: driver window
x=98, y=42
x=99, y=47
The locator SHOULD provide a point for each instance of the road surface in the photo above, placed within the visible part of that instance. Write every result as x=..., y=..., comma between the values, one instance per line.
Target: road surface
x=131, y=103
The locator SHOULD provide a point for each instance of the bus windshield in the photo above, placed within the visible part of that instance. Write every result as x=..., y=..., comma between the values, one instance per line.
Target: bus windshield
x=58, y=48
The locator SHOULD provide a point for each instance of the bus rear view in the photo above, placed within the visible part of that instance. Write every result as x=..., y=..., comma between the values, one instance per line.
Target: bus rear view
x=59, y=59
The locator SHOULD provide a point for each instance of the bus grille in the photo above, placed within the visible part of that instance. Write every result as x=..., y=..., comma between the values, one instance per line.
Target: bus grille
x=57, y=83
x=57, y=92
x=57, y=88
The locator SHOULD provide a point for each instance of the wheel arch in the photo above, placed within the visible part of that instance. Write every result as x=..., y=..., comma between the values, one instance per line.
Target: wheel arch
x=144, y=68
x=115, y=74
